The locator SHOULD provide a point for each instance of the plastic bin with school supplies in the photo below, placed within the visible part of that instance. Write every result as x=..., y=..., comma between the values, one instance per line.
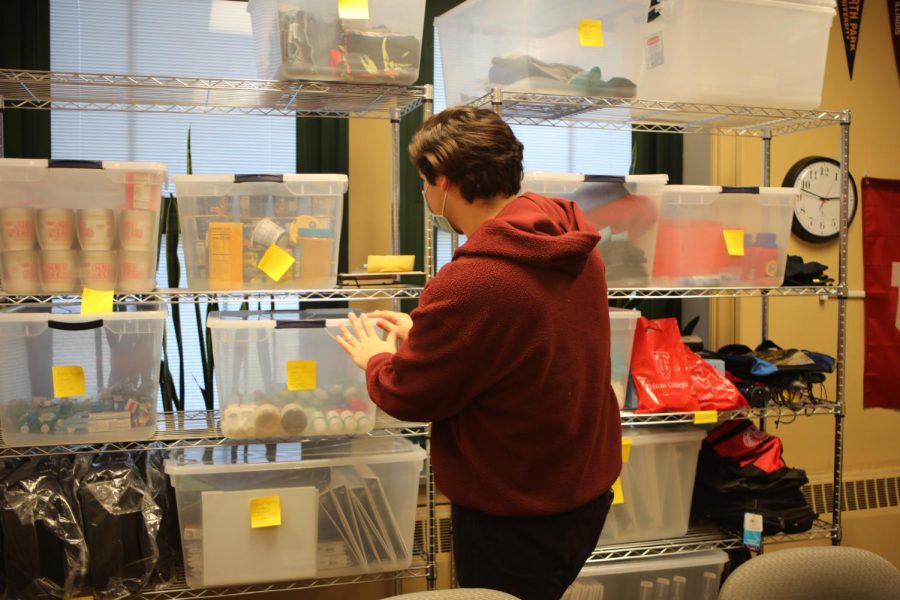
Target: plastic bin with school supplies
x=657, y=485
x=281, y=375
x=378, y=41
x=623, y=208
x=70, y=224
x=70, y=378
x=579, y=47
x=261, y=232
x=252, y=515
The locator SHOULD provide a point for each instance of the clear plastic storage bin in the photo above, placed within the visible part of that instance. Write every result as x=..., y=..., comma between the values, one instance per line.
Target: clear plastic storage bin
x=253, y=515
x=711, y=236
x=70, y=378
x=624, y=208
x=280, y=375
x=657, y=485
x=580, y=47
x=261, y=232
x=66, y=225
x=744, y=52
x=622, y=324
x=692, y=576
x=379, y=41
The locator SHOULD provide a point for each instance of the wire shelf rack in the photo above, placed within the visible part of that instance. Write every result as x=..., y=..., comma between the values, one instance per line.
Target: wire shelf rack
x=697, y=539
x=200, y=429
x=660, y=116
x=399, y=291
x=54, y=90
x=179, y=588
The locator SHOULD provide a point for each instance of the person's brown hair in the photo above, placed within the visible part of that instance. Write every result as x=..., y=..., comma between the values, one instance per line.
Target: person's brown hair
x=474, y=148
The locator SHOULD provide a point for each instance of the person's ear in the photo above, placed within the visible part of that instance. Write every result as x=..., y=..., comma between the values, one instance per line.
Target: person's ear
x=442, y=182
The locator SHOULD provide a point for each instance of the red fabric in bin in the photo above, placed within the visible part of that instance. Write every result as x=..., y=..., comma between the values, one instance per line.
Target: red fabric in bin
x=634, y=214
x=689, y=248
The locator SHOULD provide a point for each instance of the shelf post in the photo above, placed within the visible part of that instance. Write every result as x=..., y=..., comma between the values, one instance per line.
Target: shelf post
x=1, y=127
x=840, y=373
x=428, y=240
x=764, y=299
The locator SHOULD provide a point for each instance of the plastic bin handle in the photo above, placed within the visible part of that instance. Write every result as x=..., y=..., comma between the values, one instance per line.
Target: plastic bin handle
x=75, y=164
x=307, y=324
x=252, y=178
x=82, y=326
x=732, y=189
x=604, y=179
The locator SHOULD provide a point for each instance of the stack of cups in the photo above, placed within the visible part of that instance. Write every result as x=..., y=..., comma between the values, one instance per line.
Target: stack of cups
x=56, y=266
x=137, y=261
x=20, y=259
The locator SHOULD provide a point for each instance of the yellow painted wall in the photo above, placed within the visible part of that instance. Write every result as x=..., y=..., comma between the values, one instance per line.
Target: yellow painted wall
x=873, y=96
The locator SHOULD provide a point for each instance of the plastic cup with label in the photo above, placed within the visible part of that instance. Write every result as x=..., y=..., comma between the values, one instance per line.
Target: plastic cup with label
x=59, y=271
x=20, y=271
x=99, y=269
x=136, y=271
x=137, y=229
x=96, y=228
x=56, y=228
x=267, y=232
x=17, y=228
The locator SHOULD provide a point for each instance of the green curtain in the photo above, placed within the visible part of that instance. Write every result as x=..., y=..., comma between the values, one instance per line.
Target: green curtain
x=412, y=210
x=25, y=44
x=657, y=153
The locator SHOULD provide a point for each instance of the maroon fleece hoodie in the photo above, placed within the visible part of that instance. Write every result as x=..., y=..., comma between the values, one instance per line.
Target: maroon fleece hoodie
x=508, y=356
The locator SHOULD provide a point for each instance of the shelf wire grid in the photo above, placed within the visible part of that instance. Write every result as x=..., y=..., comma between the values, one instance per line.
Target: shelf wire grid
x=523, y=108
x=54, y=90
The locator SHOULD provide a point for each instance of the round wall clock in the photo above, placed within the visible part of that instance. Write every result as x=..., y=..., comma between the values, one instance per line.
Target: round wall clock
x=817, y=212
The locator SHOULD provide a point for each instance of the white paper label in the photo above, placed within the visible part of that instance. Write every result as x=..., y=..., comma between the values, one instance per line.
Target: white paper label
x=753, y=526
x=654, y=51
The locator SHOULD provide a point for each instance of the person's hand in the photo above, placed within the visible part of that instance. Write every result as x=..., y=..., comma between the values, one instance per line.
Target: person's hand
x=363, y=342
x=397, y=323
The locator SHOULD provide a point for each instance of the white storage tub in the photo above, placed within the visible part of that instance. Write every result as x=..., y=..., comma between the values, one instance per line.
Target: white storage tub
x=70, y=378
x=693, y=576
x=70, y=224
x=743, y=52
x=279, y=374
x=623, y=208
x=579, y=47
x=230, y=223
x=622, y=324
x=376, y=41
x=712, y=236
x=657, y=485
x=252, y=515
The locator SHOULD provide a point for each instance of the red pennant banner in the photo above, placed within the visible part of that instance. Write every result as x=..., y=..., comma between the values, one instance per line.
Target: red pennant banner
x=881, y=257
x=894, y=20
x=850, y=14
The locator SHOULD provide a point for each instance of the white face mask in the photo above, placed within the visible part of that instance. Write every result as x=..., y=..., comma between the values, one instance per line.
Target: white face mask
x=440, y=221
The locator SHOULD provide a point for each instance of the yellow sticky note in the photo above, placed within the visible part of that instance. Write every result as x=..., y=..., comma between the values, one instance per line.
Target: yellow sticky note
x=353, y=9
x=68, y=381
x=265, y=512
x=301, y=375
x=618, y=495
x=275, y=262
x=626, y=449
x=96, y=301
x=704, y=417
x=590, y=32
x=734, y=241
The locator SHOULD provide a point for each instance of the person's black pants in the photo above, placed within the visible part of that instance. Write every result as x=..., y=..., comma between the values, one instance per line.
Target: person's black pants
x=531, y=557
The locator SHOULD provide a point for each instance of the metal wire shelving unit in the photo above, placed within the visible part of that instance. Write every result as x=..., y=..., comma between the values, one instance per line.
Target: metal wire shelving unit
x=639, y=115
x=43, y=90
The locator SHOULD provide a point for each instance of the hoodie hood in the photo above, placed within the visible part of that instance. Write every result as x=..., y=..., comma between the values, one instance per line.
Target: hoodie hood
x=548, y=233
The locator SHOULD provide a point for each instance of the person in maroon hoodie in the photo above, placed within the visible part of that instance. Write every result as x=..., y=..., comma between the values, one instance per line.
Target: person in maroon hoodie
x=507, y=355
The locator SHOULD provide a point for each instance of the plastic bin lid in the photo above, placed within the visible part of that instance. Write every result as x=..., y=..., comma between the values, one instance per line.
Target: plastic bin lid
x=272, y=319
x=34, y=169
x=692, y=189
x=72, y=314
x=659, y=563
x=286, y=177
x=641, y=436
x=623, y=314
x=327, y=453
x=581, y=177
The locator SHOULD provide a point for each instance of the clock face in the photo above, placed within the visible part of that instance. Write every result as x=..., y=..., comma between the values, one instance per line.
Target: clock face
x=817, y=215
